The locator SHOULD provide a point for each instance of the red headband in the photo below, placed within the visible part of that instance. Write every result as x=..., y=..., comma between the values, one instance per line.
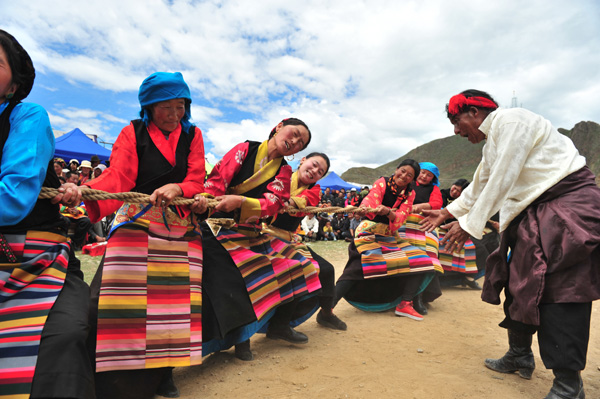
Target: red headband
x=459, y=100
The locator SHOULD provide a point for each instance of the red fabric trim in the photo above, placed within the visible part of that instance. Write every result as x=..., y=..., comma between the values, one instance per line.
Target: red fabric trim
x=225, y=170
x=459, y=100
x=435, y=199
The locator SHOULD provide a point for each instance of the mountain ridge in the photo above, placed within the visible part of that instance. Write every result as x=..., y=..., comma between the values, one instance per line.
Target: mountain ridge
x=457, y=158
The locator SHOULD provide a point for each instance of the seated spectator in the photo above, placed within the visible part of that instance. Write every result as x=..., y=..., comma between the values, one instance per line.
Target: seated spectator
x=85, y=172
x=353, y=198
x=328, y=232
x=339, y=200
x=364, y=192
x=62, y=162
x=98, y=170
x=73, y=165
x=339, y=224
x=58, y=168
x=354, y=222
x=323, y=217
x=83, y=226
x=310, y=225
x=95, y=161
x=72, y=177
x=327, y=196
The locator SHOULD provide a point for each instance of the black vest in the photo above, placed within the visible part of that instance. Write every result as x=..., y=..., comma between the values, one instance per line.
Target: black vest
x=423, y=193
x=245, y=172
x=288, y=222
x=154, y=170
x=45, y=215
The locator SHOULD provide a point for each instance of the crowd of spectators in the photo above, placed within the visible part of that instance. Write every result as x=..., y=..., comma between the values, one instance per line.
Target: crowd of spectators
x=82, y=230
x=79, y=172
x=330, y=226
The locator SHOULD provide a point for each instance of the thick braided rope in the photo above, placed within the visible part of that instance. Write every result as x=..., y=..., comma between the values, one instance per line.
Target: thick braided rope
x=140, y=198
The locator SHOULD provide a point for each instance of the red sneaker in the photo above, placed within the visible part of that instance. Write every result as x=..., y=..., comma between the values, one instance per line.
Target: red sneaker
x=405, y=308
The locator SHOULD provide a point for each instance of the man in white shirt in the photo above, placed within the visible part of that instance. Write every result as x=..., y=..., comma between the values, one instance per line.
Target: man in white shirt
x=310, y=225
x=550, y=218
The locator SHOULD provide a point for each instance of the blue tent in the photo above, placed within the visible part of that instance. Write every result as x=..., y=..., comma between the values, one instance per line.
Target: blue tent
x=77, y=145
x=334, y=182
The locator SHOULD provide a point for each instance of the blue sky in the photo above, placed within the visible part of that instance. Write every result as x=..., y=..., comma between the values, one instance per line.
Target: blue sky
x=370, y=78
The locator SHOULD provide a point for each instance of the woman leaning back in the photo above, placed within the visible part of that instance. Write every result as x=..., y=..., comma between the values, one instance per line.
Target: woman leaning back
x=43, y=298
x=427, y=196
x=146, y=295
x=305, y=192
x=384, y=270
x=246, y=273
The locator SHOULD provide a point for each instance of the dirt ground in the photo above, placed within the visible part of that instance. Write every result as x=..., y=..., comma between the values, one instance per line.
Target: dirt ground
x=383, y=356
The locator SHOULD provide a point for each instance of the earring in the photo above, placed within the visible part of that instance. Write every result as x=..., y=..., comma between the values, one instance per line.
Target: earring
x=10, y=95
x=290, y=159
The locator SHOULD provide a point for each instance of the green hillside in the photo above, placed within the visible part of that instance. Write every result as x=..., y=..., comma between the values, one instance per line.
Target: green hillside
x=457, y=158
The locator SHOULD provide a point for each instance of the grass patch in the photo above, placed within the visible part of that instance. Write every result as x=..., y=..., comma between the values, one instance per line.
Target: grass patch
x=89, y=265
x=331, y=250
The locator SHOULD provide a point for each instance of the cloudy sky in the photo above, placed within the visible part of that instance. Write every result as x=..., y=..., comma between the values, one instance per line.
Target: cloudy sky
x=370, y=78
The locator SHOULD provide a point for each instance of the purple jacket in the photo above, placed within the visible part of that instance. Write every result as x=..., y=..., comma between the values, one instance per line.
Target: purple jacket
x=555, y=250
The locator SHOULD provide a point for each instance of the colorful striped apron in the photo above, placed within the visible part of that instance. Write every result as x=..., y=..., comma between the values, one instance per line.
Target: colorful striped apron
x=273, y=270
x=150, y=307
x=28, y=290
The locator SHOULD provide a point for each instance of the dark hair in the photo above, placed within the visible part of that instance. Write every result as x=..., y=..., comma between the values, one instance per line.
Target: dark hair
x=413, y=164
x=295, y=122
x=473, y=93
x=322, y=155
x=21, y=66
x=462, y=183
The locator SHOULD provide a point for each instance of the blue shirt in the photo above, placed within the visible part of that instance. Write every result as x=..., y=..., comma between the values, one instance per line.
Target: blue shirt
x=25, y=157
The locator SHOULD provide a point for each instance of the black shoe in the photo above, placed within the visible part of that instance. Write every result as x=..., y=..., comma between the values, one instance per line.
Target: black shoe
x=471, y=284
x=167, y=386
x=243, y=352
x=567, y=384
x=286, y=333
x=331, y=321
x=419, y=306
x=519, y=357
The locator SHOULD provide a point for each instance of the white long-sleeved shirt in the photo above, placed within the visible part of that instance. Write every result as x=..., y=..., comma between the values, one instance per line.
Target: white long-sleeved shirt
x=522, y=158
x=310, y=224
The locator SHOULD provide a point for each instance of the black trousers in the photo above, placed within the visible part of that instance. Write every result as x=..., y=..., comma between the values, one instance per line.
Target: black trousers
x=563, y=333
x=63, y=368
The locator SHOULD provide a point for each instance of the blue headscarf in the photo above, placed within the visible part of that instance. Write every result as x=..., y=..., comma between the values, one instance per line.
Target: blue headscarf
x=428, y=166
x=163, y=86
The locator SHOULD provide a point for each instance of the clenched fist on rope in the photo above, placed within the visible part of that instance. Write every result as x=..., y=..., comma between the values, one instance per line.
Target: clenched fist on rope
x=69, y=194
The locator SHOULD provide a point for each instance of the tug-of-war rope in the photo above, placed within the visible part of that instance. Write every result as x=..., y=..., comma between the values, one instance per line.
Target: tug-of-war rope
x=140, y=198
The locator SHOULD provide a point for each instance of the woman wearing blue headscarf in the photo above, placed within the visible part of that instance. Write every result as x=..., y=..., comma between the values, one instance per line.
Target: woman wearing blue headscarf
x=146, y=295
x=428, y=191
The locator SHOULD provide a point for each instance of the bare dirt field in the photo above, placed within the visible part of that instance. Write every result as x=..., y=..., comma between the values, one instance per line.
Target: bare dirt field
x=382, y=356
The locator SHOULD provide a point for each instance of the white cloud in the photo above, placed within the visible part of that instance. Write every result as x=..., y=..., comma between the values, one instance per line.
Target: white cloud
x=371, y=78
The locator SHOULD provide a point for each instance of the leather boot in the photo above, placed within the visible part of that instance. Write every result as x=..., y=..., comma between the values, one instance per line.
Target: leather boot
x=419, y=306
x=243, y=351
x=518, y=358
x=167, y=387
x=567, y=385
